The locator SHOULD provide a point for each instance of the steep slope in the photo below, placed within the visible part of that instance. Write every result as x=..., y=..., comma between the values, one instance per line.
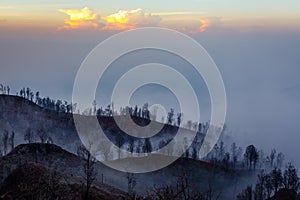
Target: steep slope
x=34, y=181
x=17, y=114
x=202, y=176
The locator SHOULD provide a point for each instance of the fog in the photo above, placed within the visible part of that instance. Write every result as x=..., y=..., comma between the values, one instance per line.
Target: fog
x=260, y=70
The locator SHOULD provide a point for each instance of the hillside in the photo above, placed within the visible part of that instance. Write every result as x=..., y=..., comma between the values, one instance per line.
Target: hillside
x=34, y=181
x=53, y=157
x=17, y=114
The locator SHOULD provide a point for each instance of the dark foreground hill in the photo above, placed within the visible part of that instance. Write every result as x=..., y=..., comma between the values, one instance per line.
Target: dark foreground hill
x=34, y=181
x=43, y=159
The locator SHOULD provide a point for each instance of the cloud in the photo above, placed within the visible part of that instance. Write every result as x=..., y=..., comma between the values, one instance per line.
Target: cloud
x=188, y=22
x=124, y=20
x=196, y=26
x=84, y=18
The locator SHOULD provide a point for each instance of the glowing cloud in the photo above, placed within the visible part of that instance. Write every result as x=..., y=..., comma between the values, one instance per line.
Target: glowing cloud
x=84, y=18
x=123, y=20
x=131, y=19
x=204, y=23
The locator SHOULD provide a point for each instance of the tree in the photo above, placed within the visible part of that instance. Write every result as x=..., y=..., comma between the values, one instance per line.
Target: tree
x=27, y=92
x=170, y=117
x=28, y=136
x=119, y=142
x=94, y=107
x=279, y=160
x=189, y=124
x=245, y=194
x=276, y=178
x=58, y=105
x=186, y=148
x=89, y=170
x=42, y=135
x=226, y=160
x=131, y=145
x=11, y=140
x=195, y=152
x=251, y=156
x=147, y=148
x=135, y=111
x=179, y=116
x=131, y=183
x=145, y=111
x=234, y=154
x=221, y=151
x=37, y=96
x=268, y=185
x=260, y=193
x=290, y=178
x=272, y=157
x=5, y=141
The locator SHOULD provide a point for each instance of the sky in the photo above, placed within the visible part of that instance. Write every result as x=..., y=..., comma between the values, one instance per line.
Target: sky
x=191, y=16
x=255, y=45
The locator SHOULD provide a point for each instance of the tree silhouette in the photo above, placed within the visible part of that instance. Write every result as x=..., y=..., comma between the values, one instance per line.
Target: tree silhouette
x=131, y=183
x=42, y=135
x=119, y=142
x=276, y=177
x=251, y=156
x=89, y=169
x=272, y=157
x=170, y=117
x=290, y=178
x=28, y=136
x=11, y=140
x=5, y=141
x=147, y=148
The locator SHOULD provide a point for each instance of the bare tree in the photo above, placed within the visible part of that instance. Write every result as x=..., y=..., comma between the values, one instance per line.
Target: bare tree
x=11, y=140
x=131, y=183
x=181, y=190
x=245, y=194
x=276, y=177
x=290, y=178
x=179, y=118
x=120, y=141
x=234, y=154
x=5, y=141
x=28, y=136
x=279, y=160
x=170, y=117
x=89, y=170
x=147, y=148
x=131, y=145
x=268, y=185
x=260, y=190
x=42, y=135
x=272, y=157
x=251, y=156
